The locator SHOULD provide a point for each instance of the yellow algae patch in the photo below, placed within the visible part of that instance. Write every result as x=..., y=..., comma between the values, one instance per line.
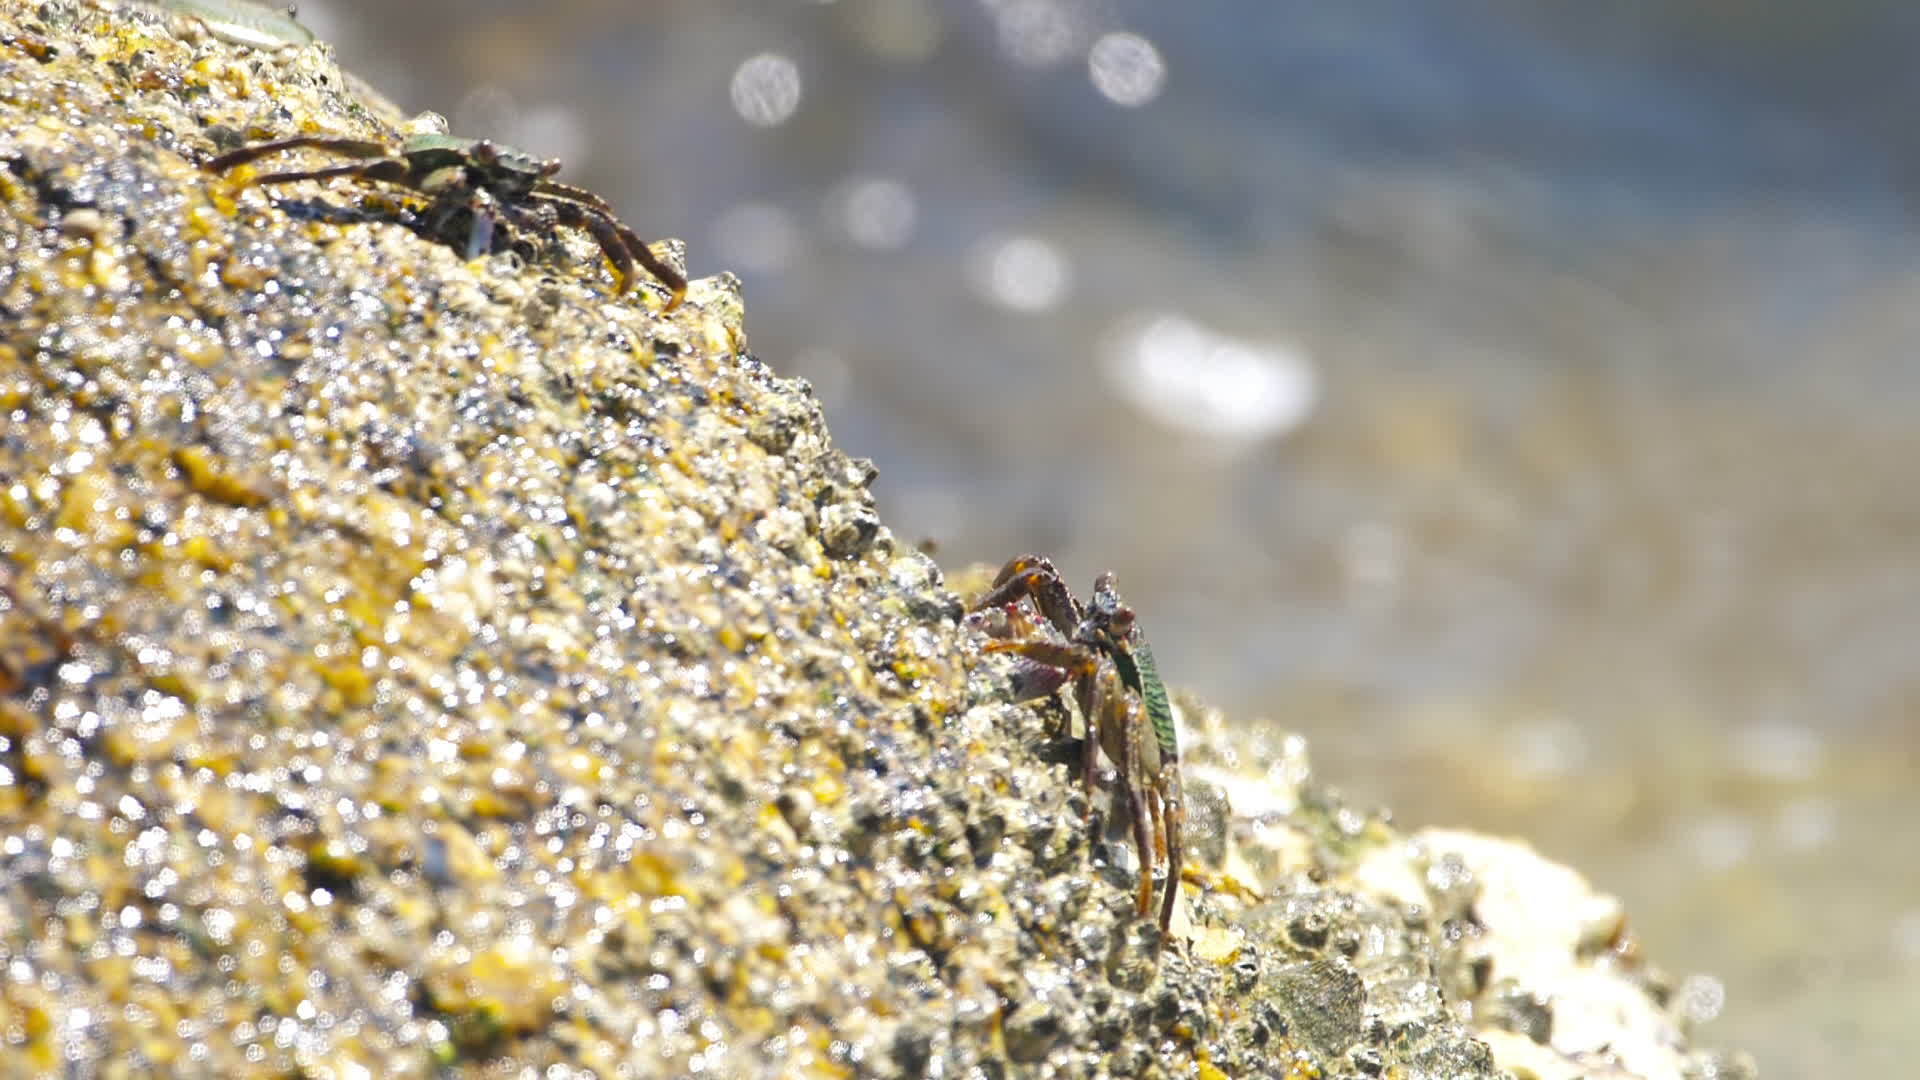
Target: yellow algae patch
x=506, y=989
x=350, y=682
x=1214, y=944
x=198, y=548
x=827, y=787
x=84, y=501
x=581, y=767
x=466, y=859
x=652, y=874
x=217, y=480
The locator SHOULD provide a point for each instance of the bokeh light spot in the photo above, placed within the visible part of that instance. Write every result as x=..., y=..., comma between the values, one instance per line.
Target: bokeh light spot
x=1035, y=33
x=877, y=213
x=1024, y=273
x=1195, y=379
x=1127, y=69
x=766, y=89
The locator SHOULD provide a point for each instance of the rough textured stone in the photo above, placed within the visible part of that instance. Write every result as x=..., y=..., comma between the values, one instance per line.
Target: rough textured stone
x=411, y=666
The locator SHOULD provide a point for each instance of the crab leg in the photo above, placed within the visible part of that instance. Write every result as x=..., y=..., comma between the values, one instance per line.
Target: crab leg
x=1137, y=667
x=603, y=234
x=1091, y=693
x=675, y=282
x=1122, y=724
x=1034, y=576
x=623, y=246
x=1173, y=814
x=1082, y=666
x=486, y=211
x=360, y=148
x=1033, y=679
x=385, y=169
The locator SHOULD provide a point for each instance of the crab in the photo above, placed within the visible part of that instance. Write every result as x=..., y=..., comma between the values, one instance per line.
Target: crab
x=1099, y=648
x=486, y=181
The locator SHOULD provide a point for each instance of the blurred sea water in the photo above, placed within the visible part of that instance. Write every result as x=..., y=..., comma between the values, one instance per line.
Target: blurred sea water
x=1515, y=398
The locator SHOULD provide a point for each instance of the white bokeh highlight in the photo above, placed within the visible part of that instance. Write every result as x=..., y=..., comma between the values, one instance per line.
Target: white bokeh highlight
x=1020, y=272
x=1127, y=69
x=1035, y=33
x=876, y=212
x=1197, y=380
x=765, y=89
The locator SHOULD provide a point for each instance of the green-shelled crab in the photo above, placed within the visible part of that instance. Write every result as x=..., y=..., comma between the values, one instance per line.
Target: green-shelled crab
x=481, y=181
x=1098, y=647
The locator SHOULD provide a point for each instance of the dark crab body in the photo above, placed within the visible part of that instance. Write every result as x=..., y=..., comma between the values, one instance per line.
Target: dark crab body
x=488, y=182
x=1100, y=649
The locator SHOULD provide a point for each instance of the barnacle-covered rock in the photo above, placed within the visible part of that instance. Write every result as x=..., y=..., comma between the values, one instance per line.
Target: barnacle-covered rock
x=417, y=667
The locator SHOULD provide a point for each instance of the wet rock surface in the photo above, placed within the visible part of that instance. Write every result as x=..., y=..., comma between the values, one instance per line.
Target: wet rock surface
x=412, y=666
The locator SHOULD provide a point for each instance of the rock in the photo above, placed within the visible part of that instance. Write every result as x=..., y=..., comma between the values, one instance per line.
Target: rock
x=412, y=666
